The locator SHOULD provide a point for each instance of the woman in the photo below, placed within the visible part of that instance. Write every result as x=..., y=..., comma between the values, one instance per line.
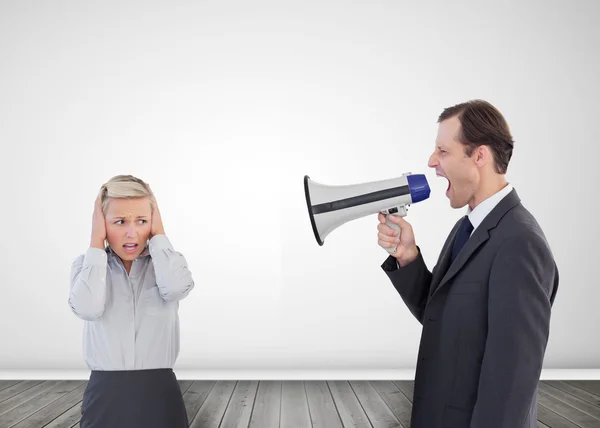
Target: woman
x=128, y=294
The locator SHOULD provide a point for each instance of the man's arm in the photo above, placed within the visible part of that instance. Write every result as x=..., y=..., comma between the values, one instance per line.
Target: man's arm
x=521, y=282
x=412, y=281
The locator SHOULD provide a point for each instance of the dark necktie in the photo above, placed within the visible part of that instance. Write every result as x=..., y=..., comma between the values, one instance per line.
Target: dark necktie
x=462, y=236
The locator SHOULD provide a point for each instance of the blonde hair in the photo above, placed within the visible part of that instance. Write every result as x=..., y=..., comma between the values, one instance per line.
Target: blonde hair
x=125, y=187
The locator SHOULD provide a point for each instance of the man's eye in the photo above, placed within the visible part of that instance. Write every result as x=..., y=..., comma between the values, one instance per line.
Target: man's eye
x=118, y=221
x=143, y=221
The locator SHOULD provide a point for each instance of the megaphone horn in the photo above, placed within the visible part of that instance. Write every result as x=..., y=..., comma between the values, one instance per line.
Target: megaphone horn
x=331, y=206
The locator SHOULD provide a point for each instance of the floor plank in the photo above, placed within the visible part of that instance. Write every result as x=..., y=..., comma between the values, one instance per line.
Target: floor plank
x=239, y=410
x=395, y=400
x=7, y=383
x=17, y=388
x=582, y=394
x=184, y=385
x=66, y=420
x=377, y=411
x=406, y=388
x=28, y=394
x=28, y=408
x=267, y=406
x=592, y=386
x=285, y=404
x=571, y=400
x=49, y=413
x=195, y=395
x=570, y=413
x=294, y=405
x=553, y=419
x=349, y=407
x=212, y=410
x=323, y=411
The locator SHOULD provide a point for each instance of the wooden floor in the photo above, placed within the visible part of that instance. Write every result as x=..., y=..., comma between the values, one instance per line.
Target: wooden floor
x=266, y=404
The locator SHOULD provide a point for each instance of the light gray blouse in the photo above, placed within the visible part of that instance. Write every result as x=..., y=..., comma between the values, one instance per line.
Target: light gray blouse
x=131, y=321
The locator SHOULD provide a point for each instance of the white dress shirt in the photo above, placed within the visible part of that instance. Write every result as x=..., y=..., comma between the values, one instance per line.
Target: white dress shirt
x=481, y=211
x=131, y=321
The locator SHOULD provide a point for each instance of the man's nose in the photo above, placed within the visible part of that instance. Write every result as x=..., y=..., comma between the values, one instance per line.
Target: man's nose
x=433, y=162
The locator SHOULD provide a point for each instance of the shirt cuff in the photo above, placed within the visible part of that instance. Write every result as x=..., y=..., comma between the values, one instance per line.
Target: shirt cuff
x=160, y=242
x=95, y=257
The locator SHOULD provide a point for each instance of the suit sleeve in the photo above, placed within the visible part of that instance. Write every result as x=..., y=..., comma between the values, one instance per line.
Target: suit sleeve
x=411, y=281
x=522, y=279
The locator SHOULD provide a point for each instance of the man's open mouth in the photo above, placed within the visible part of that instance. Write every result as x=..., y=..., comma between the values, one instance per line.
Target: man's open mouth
x=449, y=184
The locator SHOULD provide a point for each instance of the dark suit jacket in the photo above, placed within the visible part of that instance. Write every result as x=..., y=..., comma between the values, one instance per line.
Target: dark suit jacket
x=485, y=323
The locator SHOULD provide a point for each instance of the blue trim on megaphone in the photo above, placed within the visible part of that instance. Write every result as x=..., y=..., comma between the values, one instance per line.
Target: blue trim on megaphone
x=419, y=188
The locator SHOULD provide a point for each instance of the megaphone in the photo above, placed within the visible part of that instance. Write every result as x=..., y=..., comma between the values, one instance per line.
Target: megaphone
x=331, y=206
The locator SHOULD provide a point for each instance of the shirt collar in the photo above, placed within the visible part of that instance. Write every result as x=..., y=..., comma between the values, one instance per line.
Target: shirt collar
x=477, y=215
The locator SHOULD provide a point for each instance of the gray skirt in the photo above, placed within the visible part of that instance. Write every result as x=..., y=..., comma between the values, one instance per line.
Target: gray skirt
x=133, y=398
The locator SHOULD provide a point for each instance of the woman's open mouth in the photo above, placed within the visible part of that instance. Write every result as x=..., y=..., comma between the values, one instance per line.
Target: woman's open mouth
x=130, y=248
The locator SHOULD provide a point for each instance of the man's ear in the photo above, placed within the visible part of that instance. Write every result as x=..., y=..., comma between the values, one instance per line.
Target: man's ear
x=482, y=155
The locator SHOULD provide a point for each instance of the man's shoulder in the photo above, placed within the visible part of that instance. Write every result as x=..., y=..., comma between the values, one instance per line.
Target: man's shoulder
x=519, y=227
x=521, y=220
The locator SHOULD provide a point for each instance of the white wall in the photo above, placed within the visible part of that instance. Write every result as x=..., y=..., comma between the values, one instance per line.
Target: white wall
x=223, y=108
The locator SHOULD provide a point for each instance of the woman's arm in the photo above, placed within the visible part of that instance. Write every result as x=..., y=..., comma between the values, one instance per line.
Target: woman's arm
x=173, y=278
x=87, y=296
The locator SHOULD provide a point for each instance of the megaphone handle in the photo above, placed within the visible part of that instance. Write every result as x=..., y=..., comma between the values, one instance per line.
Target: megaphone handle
x=394, y=226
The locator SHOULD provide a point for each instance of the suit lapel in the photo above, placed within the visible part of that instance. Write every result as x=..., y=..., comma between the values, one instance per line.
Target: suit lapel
x=444, y=260
x=475, y=241
x=479, y=237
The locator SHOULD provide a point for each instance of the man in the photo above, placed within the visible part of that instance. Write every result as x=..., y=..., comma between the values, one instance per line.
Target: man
x=485, y=307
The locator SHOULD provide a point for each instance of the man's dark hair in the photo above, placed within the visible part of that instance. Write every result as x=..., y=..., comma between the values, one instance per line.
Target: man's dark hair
x=482, y=124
